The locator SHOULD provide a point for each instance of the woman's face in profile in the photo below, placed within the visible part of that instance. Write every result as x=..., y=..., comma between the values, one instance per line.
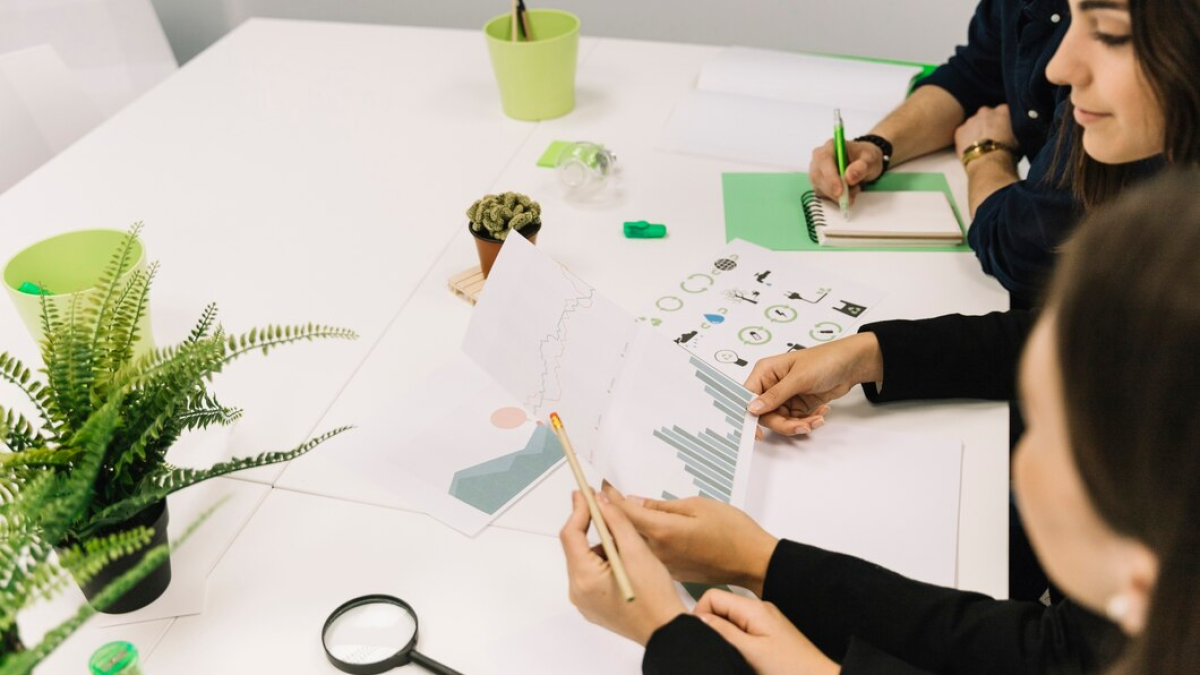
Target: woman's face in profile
x=1080, y=552
x=1122, y=120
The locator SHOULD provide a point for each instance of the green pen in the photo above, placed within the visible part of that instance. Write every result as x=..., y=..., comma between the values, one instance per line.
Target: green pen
x=839, y=148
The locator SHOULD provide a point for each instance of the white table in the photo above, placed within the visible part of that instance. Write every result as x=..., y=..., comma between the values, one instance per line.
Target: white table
x=304, y=171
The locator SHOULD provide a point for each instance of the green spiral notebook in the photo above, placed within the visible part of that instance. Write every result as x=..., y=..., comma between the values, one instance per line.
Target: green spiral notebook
x=768, y=209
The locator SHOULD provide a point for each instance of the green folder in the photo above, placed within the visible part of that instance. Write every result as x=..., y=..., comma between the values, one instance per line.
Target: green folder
x=765, y=209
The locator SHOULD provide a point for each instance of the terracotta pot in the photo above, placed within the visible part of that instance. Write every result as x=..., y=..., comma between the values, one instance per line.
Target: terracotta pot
x=152, y=585
x=488, y=248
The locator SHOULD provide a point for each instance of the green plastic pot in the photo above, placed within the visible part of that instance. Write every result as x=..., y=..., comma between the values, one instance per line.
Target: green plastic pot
x=68, y=266
x=537, y=79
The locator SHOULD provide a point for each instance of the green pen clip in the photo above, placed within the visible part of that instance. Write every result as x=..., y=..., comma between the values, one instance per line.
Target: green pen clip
x=33, y=289
x=640, y=229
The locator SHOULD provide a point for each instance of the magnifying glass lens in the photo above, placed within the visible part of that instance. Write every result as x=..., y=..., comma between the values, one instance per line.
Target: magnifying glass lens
x=370, y=633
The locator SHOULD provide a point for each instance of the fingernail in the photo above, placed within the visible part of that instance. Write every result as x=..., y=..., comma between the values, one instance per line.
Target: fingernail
x=602, y=498
x=705, y=618
x=636, y=501
x=756, y=406
x=817, y=424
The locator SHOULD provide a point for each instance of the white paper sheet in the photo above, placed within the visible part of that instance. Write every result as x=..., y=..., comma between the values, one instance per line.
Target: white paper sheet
x=890, y=498
x=807, y=78
x=773, y=108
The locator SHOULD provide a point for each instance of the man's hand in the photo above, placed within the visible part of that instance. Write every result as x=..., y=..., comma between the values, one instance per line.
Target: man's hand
x=864, y=163
x=994, y=123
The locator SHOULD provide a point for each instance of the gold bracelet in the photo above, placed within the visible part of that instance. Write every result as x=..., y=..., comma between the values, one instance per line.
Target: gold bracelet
x=980, y=148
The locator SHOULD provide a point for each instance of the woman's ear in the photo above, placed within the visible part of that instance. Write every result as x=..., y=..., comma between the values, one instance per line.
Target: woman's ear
x=1138, y=573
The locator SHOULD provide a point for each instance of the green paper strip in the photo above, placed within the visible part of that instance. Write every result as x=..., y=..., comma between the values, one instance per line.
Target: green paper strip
x=549, y=158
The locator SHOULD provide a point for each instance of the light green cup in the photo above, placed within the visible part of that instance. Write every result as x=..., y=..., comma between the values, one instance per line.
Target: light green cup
x=537, y=79
x=70, y=265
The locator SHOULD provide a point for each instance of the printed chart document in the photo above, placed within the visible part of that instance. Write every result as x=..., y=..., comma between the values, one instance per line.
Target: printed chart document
x=650, y=417
x=747, y=303
x=472, y=439
x=773, y=108
x=458, y=446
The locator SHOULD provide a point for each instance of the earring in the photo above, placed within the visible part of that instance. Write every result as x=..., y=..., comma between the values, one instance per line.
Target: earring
x=1117, y=607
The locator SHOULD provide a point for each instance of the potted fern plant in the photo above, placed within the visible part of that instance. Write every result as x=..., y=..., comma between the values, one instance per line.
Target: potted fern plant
x=493, y=217
x=89, y=361
x=35, y=508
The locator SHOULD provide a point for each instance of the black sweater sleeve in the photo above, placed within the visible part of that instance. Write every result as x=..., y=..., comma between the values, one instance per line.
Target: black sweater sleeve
x=687, y=646
x=862, y=615
x=951, y=356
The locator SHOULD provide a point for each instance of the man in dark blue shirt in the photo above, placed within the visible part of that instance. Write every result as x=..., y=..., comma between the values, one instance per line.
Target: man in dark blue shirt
x=992, y=101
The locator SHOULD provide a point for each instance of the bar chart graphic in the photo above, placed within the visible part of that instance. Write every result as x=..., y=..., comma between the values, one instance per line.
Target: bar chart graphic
x=710, y=456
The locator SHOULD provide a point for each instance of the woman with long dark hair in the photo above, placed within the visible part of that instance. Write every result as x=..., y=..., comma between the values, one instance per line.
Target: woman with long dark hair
x=1108, y=471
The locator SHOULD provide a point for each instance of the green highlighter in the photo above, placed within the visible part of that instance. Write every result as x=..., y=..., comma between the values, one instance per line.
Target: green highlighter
x=839, y=148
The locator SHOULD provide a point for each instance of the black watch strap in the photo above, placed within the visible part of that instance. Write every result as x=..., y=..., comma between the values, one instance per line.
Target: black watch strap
x=880, y=142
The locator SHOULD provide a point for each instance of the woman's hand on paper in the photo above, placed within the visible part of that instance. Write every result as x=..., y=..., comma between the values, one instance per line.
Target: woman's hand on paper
x=763, y=635
x=986, y=123
x=864, y=163
x=794, y=388
x=701, y=540
x=593, y=587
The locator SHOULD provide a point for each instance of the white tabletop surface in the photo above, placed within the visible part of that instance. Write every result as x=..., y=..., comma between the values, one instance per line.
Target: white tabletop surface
x=304, y=171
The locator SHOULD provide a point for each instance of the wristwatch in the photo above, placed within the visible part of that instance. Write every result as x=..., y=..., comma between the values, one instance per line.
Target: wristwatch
x=883, y=144
x=982, y=147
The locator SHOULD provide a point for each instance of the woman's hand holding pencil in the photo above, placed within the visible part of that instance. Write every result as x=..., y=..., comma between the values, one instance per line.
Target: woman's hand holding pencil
x=593, y=585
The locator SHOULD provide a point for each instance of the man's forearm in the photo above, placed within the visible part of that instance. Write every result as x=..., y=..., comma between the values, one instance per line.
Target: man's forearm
x=987, y=174
x=924, y=123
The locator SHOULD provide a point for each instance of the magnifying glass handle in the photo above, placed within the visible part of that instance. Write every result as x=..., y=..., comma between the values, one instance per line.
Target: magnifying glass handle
x=431, y=665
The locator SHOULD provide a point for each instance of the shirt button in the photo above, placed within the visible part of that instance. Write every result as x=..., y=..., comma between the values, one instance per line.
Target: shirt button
x=1055, y=18
x=1033, y=114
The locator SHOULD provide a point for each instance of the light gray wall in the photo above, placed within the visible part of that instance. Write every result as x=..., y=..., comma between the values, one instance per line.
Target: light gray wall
x=915, y=30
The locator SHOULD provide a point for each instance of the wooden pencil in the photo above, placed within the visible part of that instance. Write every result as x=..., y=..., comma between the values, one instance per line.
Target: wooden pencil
x=606, y=540
x=514, y=20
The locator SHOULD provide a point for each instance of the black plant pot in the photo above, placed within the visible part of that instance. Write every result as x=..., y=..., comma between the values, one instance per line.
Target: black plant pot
x=150, y=587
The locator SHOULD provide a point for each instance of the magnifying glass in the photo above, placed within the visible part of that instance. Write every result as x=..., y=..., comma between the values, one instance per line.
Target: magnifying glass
x=374, y=634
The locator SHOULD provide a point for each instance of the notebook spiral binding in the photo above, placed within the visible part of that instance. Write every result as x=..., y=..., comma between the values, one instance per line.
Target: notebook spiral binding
x=814, y=214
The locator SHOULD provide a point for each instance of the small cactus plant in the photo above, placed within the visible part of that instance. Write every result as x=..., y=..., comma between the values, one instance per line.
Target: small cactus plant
x=496, y=215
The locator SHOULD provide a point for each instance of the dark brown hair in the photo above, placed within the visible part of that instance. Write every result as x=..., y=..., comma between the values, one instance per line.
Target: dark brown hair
x=1166, y=43
x=1127, y=300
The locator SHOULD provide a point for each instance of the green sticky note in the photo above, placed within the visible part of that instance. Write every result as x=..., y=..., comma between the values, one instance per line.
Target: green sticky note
x=33, y=289
x=640, y=229
x=549, y=158
x=765, y=208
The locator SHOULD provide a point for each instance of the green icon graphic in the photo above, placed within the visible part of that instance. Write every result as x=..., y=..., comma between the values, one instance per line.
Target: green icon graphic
x=780, y=314
x=754, y=335
x=669, y=303
x=824, y=331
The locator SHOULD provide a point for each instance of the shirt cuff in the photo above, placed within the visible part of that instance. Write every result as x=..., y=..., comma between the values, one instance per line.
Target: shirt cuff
x=687, y=645
x=903, y=347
